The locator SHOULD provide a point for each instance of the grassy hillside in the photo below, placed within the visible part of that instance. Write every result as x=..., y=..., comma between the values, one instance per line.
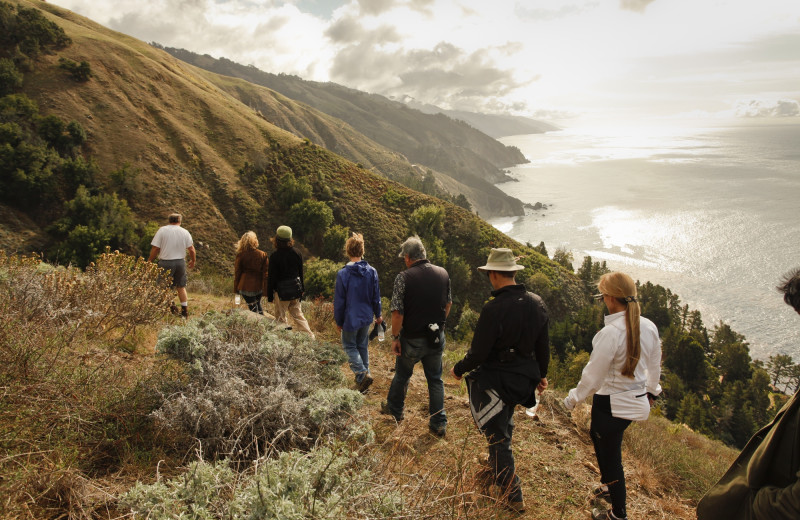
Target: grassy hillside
x=470, y=161
x=196, y=149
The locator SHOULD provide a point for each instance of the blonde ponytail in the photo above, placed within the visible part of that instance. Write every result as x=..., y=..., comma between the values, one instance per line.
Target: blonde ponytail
x=622, y=287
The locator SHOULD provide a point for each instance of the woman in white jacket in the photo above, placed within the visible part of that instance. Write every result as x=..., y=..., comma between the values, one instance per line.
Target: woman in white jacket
x=623, y=374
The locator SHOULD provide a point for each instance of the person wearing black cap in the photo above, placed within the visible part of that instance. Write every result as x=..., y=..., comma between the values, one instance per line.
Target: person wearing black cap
x=507, y=362
x=623, y=374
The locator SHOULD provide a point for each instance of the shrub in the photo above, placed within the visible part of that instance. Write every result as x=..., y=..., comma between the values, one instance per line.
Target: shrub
x=427, y=221
x=78, y=71
x=292, y=190
x=333, y=242
x=249, y=386
x=331, y=481
x=310, y=217
x=10, y=77
x=320, y=278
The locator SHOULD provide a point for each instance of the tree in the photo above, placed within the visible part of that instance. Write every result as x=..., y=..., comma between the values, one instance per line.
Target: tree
x=311, y=217
x=733, y=361
x=563, y=258
x=541, y=249
x=687, y=360
x=427, y=221
x=779, y=368
x=10, y=77
x=333, y=242
x=291, y=190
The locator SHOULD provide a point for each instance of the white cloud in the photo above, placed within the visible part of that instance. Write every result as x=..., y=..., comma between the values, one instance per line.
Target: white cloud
x=767, y=108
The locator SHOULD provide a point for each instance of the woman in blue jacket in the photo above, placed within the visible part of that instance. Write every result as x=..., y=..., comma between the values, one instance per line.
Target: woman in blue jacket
x=356, y=300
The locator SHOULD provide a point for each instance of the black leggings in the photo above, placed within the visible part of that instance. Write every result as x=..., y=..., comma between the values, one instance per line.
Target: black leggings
x=254, y=303
x=606, y=432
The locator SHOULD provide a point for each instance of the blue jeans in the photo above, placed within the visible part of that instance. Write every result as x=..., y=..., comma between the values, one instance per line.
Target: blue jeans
x=412, y=351
x=355, y=346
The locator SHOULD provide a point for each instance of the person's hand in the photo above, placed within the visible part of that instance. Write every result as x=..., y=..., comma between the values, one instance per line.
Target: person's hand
x=339, y=328
x=396, y=347
x=542, y=386
x=191, y=264
x=453, y=373
x=379, y=320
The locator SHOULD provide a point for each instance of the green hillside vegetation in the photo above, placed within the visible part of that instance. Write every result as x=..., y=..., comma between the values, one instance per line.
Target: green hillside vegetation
x=464, y=160
x=225, y=415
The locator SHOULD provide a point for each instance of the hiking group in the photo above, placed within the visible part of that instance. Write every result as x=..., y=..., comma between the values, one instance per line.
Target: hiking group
x=507, y=362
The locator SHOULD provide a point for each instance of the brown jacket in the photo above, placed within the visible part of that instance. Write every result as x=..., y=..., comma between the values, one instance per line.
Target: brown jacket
x=251, y=271
x=764, y=481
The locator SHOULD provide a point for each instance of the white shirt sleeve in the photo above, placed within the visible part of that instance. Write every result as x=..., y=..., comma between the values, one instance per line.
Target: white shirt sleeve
x=596, y=370
x=653, y=360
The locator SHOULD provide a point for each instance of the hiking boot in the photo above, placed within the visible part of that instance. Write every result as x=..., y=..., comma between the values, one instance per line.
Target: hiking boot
x=517, y=506
x=601, y=493
x=184, y=311
x=599, y=514
x=364, y=384
x=174, y=309
x=438, y=429
x=385, y=411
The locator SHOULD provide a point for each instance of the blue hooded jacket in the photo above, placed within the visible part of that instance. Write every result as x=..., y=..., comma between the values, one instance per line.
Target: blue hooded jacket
x=357, y=300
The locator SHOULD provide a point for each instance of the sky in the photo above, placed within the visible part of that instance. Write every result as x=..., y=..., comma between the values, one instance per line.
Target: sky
x=563, y=61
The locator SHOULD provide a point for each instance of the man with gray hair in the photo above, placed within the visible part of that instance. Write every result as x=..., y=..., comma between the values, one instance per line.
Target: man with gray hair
x=421, y=301
x=170, y=244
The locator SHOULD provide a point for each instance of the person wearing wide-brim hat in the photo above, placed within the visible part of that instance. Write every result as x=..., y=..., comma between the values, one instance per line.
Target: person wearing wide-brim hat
x=507, y=362
x=285, y=279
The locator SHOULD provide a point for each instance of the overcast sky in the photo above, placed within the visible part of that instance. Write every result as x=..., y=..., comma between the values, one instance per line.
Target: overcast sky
x=558, y=60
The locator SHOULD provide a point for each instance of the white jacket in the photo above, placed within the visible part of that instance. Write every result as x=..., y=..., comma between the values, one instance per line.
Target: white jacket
x=603, y=373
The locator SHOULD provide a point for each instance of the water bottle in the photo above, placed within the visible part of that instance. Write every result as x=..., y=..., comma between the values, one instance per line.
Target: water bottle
x=237, y=299
x=381, y=332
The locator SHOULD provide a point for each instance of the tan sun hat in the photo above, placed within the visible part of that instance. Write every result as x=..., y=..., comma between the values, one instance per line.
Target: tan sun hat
x=501, y=259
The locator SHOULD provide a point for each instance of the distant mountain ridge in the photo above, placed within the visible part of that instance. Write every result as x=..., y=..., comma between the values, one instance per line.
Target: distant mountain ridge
x=494, y=125
x=463, y=159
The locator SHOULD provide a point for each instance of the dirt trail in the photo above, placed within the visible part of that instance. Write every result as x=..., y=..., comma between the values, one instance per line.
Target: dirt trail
x=554, y=456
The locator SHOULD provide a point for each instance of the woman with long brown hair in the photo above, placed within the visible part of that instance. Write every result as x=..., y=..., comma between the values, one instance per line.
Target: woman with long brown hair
x=623, y=373
x=250, y=271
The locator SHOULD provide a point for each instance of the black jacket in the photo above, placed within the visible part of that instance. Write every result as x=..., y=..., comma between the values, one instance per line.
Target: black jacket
x=284, y=263
x=514, y=319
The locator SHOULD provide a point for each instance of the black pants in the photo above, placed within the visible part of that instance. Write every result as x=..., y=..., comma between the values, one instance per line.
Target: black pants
x=498, y=432
x=606, y=431
x=254, y=303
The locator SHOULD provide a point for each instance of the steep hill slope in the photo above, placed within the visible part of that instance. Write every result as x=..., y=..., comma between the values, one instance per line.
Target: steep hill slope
x=204, y=153
x=470, y=158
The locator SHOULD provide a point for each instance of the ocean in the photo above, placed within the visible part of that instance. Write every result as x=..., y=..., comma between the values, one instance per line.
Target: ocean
x=712, y=213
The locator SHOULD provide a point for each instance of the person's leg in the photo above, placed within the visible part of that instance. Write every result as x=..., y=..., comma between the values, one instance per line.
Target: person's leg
x=280, y=310
x=403, y=369
x=253, y=303
x=607, y=432
x=350, y=345
x=432, y=364
x=297, y=315
x=499, y=431
x=362, y=344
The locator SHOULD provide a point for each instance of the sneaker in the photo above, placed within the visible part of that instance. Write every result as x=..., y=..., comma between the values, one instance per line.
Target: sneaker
x=438, y=430
x=385, y=411
x=364, y=384
x=600, y=514
x=601, y=493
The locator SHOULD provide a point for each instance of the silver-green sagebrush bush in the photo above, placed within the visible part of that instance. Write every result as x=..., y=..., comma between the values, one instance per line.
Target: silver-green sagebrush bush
x=328, y=482
x=251, y=387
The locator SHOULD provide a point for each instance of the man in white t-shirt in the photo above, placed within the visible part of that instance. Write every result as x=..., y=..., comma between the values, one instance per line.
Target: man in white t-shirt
x=170, y=244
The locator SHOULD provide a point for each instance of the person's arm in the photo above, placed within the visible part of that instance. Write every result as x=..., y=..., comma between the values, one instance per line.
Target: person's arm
x=483, y=340
x=377, y=308
x=339, y=301
x=542, y=350
x=595, y=371
x=264, y=270
x=237, y=272
x=776, y=503
x=153, y=253
x=271, y=278
x=192, y=256
x=397, y=325
x=653, y=385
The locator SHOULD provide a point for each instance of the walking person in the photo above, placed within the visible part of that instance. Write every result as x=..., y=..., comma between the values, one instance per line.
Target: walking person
x=250, y=271
x=421, y=301
x=285, y=279
x=356, y=303
x=170, y=245
x=623, y=374
x=505, y=365
x=763, y=483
